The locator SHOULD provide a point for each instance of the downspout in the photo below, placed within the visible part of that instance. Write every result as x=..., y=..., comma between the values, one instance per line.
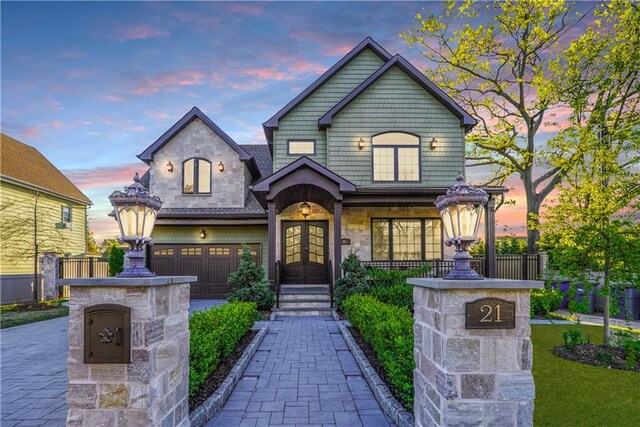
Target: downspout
x=35, y=246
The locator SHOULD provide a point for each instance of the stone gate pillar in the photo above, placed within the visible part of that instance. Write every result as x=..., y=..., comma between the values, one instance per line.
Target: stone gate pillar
x=473, y=352
x=49, y=272
x=150, y=385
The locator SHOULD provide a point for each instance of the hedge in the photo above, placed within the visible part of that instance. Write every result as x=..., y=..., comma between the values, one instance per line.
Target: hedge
x=389, y=330
x=399, y=295
x=214, y=335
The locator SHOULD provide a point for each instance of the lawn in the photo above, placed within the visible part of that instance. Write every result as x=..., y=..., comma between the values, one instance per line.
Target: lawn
x=573, y=394
x=21, y=314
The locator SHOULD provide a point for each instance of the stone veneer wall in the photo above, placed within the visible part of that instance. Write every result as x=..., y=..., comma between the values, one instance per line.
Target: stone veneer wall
x=471, y=377
x=151, y=390
x=228, y=188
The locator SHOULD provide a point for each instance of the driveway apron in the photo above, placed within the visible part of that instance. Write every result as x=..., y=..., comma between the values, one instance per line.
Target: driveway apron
x=303, y=374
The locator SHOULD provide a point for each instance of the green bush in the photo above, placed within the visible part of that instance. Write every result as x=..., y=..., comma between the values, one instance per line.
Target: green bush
x=389, y=330
x=261, y=294
x=214, y=335
x=630, y=343
x=248, y=273
x=116, y=261
x=399, y=295
x=380, y=277
x=572, y=337
x=354, y=280
x=545, y=301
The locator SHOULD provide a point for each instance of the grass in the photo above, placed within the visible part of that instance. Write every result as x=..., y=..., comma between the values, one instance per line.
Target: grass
x=21, y=314
x=573, y=394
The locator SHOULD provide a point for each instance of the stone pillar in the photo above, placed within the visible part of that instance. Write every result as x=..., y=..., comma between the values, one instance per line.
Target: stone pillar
x=153, y=388
x=465, y=376
x=49, y=271
x=490, y=268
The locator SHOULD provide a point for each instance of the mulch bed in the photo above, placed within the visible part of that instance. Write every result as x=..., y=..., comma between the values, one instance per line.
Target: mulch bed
x=219, y=375
x=370, y=354
x=596, y=355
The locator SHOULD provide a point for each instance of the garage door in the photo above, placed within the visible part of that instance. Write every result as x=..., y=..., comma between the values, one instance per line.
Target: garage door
x=212, y=264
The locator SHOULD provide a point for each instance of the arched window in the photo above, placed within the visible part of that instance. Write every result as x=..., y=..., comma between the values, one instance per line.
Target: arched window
x=196, y=176
x=396, y=157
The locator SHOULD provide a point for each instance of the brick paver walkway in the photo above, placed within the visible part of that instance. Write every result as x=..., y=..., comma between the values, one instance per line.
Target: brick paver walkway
x=303, y=374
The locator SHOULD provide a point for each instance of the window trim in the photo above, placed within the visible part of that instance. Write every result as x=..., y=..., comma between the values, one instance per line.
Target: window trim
x=289, y=141
x=62, y=208
x=395, y=157
x=196, y=173
x=422, y=237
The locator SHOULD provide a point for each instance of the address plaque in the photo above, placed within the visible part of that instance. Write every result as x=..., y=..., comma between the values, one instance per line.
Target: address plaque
x=490, y=313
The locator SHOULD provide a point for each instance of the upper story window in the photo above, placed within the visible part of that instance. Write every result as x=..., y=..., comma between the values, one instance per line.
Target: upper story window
x=301, y=146
x=196, y=176
x=66, y=214
x=396, y=157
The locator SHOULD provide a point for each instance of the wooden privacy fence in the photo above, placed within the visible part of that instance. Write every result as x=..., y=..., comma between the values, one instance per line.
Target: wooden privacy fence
x=81, y=268
x=516, y=267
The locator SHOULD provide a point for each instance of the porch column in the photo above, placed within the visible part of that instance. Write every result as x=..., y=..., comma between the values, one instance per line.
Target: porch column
x=337, y=238
x=490, y=238
x=271, y=212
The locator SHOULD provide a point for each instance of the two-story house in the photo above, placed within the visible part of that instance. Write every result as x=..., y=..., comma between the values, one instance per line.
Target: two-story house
x=353, y=163
x=40, y=211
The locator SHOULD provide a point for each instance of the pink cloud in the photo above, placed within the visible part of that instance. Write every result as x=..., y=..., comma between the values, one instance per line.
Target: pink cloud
x=248, y=85
x=111, y=177
x=156, y=115
x=246, y=8
x=103, y=227
x=138, y=32
x=267, y=74
x=57, y=124
x=114, y=98
x=32, y=132
x=170, y=81
x=217, y=78
x=302, y=66
x=337, y=50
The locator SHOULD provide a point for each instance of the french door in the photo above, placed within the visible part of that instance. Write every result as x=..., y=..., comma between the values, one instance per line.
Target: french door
x=305, y=249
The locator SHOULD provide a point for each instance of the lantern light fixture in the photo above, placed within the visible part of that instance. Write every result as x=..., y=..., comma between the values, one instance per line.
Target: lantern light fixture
x=305, y=208
x=361, y=144
x=203, y=234
x=136, y=212
x=169, y=167
x=461, y=211
x=433, y=143
x=221, y=166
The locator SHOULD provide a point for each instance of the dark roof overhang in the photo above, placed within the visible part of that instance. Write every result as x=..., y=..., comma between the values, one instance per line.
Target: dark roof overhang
x=466, y=120
x=270, y=125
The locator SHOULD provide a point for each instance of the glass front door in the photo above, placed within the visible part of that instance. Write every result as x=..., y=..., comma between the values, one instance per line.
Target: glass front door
x=305, y=247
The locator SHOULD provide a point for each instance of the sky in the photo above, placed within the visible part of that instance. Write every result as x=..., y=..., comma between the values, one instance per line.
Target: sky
x=92, y=84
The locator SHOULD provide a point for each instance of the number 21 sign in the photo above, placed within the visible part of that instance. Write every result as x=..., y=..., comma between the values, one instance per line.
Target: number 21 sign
x=490, y=313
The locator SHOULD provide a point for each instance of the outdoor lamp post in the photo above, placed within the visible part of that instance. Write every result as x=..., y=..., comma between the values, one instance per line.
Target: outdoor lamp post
x=461, y=211
x=136, y=212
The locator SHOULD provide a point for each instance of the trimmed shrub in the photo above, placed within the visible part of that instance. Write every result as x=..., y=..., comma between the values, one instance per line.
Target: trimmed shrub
x=116, y=261
x=354, y=280
x=545, y=301
x=389, y=330
x=214, y=335
x=248, y=272
x=399, y=295
x=261, y=294
x=380, y=277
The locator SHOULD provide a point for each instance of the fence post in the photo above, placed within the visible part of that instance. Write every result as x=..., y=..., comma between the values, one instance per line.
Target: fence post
x=61, y=268
x=525, y=266
x=91, y=273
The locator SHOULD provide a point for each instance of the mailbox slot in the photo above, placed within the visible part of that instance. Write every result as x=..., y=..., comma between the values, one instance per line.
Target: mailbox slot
x=107, y=334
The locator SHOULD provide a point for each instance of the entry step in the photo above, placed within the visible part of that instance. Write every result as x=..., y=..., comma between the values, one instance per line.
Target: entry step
x=303, y=311
x=301, y=303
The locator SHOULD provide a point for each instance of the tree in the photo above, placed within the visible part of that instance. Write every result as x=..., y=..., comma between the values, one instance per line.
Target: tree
x=116, y=261
x=504, y=246
x=108, y=244
x=248, y=272
x=497, y=66
x=92, y=246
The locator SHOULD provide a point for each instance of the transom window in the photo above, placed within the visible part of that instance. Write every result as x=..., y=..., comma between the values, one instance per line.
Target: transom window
x=406, y=239
x=196, y=176
x=301, y=146
x=396, y=157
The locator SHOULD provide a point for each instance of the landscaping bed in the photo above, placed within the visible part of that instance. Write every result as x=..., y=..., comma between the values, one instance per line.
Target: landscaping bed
x=596, y=355
x=22, y=314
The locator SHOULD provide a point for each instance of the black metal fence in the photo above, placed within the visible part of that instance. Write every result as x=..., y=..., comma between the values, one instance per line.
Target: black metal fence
x=80, y=268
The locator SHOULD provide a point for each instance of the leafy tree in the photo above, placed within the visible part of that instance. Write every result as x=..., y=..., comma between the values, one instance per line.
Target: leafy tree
x=506, y=245
x=116, y=261
x=496, y=65
x=92, y=246
x=248, y=273
x=107, y=245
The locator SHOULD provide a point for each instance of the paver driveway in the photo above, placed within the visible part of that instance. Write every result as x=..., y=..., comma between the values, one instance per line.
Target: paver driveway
x=303, y=374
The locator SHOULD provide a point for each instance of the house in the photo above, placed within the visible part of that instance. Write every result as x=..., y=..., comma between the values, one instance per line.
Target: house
x=353, y=163
x=41, y=211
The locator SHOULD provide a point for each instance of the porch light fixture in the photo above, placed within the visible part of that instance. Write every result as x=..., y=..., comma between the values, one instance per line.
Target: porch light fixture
x=136, y=212
x=203, y=233
x=221, y=166
x=169, y=167
x=461, y=211
x=433, y=144
x=305, y=207
x=361, y=144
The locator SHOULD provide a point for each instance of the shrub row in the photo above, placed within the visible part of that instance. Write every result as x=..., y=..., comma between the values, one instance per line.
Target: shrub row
x=399, y=295
x=389, y=330
x=545, y=301
x=214, y=335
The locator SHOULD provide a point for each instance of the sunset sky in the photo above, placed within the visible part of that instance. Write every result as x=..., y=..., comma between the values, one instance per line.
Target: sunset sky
x=93, y=84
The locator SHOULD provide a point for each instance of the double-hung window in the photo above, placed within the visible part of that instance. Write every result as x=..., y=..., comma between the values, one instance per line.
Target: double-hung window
x=66, y=214
x=406, y=239
x=196, y=176
x=396, y=157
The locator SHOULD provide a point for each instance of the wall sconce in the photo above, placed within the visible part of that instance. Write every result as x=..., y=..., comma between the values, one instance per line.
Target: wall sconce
x=433, y=144
x=361, y=144
x=203, y=233
x=221, y=166
x=169, y=167
x=305, y=207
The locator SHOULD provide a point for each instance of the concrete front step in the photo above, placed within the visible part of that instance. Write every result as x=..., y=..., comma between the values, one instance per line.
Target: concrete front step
x=305, y=304
x=315, y=288
x=305, y=297
x=308, y=311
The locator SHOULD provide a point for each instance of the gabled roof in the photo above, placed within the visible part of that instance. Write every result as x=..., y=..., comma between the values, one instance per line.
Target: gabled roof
x=147, y=155
x=24, y=165
x=262, y=156
x=367, y=43
x=466, y=120
x=304, y=161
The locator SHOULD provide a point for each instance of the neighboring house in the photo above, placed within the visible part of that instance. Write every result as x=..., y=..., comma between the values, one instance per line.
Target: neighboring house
x=40, y=211
x=367, y=148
